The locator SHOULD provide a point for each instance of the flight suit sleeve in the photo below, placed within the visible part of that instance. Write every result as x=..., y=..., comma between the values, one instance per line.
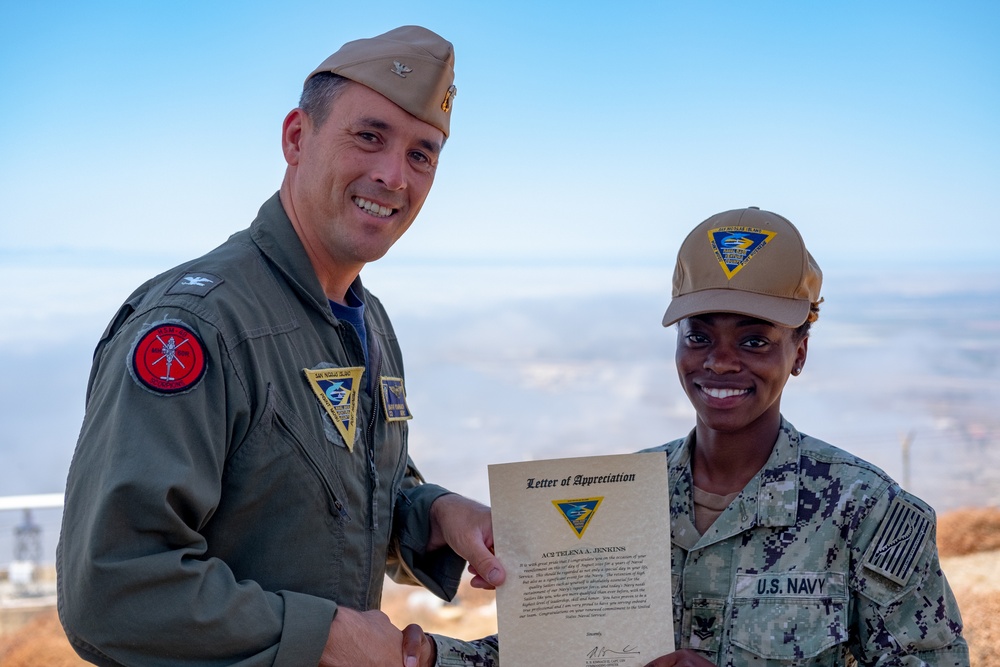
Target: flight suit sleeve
x=440, y=571
x=904, y=610
x=135, y=584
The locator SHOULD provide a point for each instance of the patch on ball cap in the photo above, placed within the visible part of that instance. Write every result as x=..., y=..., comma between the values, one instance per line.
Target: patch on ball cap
x=168, y=358
x=735, y=246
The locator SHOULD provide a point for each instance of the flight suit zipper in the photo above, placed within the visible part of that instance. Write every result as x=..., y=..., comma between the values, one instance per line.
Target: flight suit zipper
x=375, y=351
x=318, y=469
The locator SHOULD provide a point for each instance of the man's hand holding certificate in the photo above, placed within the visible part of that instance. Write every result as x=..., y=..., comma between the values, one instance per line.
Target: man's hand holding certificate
x=586, y=545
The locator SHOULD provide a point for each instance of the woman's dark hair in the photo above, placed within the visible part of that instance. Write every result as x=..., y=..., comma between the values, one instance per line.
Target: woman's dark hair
x=803, y=329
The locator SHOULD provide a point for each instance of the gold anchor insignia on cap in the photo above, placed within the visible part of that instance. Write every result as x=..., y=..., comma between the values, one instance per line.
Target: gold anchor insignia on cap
x=448, y=97
x=400, y=69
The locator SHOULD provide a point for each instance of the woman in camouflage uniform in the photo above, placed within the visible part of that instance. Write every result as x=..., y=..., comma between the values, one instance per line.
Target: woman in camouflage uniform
x=785, y=550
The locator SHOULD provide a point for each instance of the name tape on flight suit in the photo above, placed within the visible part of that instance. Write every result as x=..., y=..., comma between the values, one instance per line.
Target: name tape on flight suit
x=394, y=400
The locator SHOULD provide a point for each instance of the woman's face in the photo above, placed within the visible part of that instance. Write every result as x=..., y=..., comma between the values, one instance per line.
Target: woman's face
x=734, y=367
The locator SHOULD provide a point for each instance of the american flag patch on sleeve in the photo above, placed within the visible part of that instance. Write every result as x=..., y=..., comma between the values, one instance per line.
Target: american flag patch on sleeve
x=899, y=541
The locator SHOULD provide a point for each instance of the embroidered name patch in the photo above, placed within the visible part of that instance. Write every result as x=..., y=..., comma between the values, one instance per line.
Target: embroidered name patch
x=169, y=358
x=337, y=391
x=394, y=400
x=899, y=541
x=578, y=512
x=735, y=246
x=792, y=584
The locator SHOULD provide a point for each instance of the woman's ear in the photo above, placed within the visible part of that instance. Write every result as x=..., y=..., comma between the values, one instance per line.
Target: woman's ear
x=800, y=355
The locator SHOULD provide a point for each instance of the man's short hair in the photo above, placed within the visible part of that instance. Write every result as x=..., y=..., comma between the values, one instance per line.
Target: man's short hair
x=318, y=95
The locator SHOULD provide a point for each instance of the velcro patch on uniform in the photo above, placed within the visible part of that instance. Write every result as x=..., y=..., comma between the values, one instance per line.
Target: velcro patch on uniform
x=394, y=400
x=198, y=284
x=707, y=623
x=168, y=358
x=337, y=391
x=899, y=541
x=735, y=246
x=791, y=584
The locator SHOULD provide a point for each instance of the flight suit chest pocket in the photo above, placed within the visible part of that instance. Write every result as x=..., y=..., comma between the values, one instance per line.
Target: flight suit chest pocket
x=789, y=616
x=285, y=460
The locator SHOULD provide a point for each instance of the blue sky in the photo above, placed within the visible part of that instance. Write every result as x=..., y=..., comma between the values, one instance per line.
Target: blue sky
x=134, y=135
x=144, y=133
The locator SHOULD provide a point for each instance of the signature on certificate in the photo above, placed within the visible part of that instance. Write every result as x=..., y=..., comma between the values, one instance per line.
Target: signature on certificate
x=601, y=651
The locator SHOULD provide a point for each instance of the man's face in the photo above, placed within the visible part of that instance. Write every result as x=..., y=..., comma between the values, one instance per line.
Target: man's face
x=361, y=177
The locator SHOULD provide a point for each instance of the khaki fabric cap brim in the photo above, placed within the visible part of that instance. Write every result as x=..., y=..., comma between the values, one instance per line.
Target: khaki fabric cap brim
x=776, y=309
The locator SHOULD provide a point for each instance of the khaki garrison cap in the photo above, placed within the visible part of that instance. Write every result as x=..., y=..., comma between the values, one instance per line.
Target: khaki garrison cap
x=411, y=66
x=745, y=261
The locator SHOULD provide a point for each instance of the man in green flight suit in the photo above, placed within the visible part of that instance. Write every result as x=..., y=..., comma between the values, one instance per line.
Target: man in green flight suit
x=241, y=484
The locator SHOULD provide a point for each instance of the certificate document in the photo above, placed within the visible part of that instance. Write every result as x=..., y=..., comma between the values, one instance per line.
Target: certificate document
x=586, y=545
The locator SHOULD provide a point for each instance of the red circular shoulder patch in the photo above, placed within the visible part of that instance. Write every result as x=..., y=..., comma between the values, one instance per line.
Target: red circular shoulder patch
x=169, y=358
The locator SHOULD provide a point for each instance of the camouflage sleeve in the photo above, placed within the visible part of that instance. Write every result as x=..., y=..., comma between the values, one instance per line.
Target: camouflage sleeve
x=476, y=653
x=905, y=611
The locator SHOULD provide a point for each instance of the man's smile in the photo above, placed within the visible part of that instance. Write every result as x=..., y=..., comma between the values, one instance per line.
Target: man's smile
x=377, y=210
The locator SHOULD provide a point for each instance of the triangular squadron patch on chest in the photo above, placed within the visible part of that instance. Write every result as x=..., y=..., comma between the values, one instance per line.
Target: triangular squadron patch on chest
x=337, y=391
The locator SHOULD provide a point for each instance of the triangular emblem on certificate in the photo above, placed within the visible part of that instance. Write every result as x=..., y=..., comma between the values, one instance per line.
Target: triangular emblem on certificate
x=579, y=512
x=337, y=391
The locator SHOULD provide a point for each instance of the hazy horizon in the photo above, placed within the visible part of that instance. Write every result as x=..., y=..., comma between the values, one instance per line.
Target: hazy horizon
x=550, y=362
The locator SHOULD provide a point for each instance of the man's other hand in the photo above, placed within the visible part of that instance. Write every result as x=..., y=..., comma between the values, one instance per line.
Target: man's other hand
x=467, y=527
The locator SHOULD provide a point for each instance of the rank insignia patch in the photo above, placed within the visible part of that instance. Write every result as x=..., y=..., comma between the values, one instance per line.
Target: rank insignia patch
x=169, y=358
x=394, y=400
x=198, y=284
x=337, y=391
x=578, y=512
x=735, y=246
x=899, y=541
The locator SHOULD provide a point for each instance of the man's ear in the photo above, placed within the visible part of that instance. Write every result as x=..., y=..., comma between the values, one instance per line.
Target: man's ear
x=292, y=130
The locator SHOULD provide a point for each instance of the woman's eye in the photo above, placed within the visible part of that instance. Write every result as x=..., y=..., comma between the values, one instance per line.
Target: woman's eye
x=755, y=342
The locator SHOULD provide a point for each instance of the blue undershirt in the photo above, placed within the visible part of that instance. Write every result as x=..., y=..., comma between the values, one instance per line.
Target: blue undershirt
x=354, y=314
